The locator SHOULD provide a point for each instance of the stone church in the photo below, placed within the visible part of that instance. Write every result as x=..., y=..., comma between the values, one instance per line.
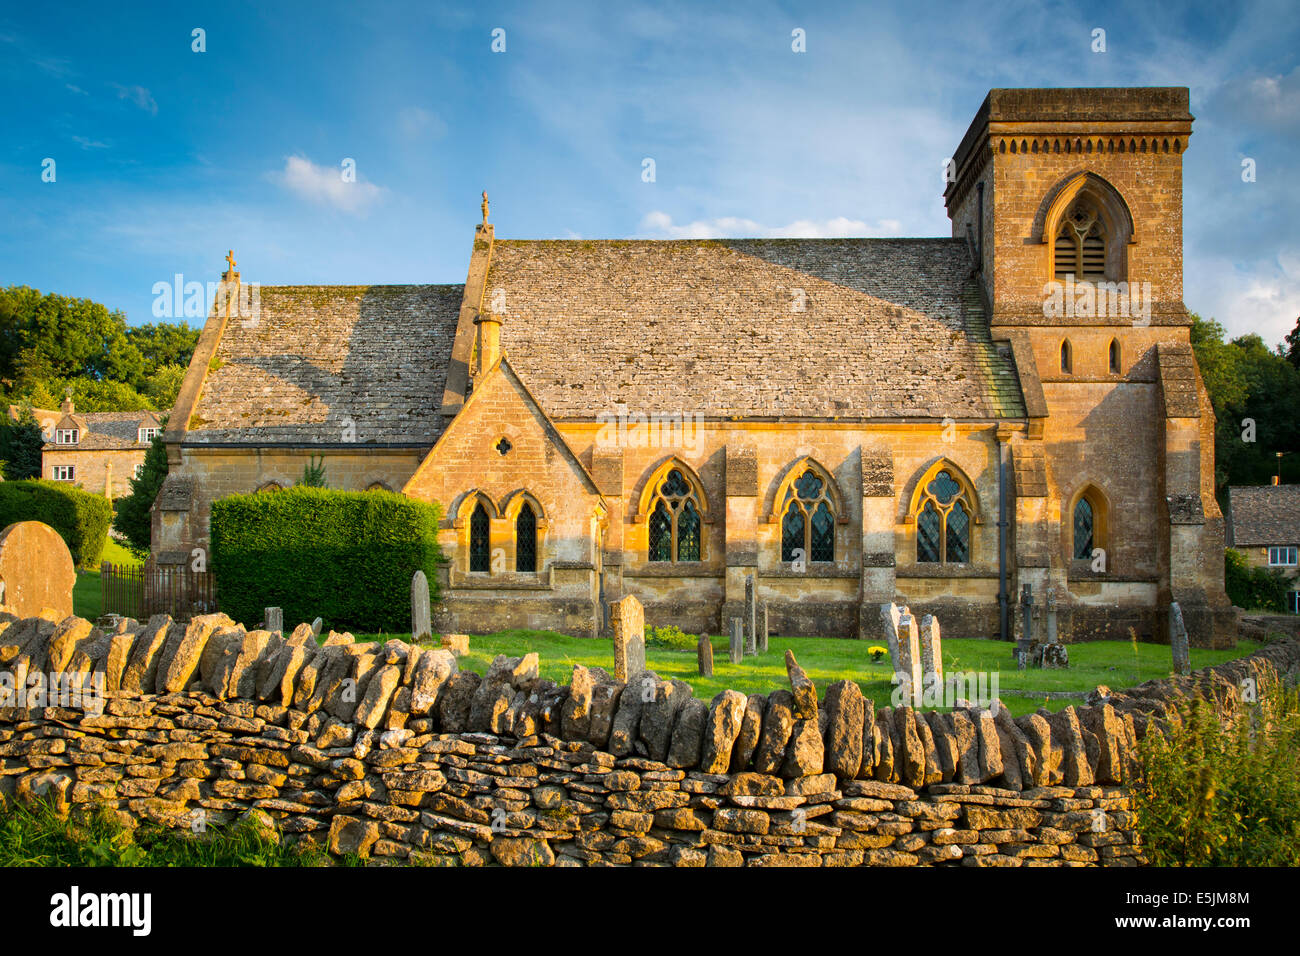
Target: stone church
x=935, y=421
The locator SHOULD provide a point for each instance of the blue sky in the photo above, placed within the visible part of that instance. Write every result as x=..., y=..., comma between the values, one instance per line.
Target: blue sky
x=165, y=158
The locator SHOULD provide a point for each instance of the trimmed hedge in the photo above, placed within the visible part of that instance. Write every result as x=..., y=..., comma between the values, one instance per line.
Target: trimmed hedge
x=344, y=556
x=80, y=518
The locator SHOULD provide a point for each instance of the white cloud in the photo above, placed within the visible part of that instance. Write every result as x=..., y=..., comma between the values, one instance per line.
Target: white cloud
x=323, y=184
x=138, y=95
x=85, y=143
x=731, y=227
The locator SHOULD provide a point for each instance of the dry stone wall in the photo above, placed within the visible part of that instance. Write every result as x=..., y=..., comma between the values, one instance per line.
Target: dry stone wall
x=391, y=751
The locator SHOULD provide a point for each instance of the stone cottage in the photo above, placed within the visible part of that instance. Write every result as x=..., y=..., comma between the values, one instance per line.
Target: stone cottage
x=99, y=452
x=1264, y=525
x=938, y=421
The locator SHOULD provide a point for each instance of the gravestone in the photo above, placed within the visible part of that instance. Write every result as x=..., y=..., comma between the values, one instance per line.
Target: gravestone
x=704, y=653
x=751, y=618
x=421, y=612
x=1053, y=653
x=889, y=614
x=36, y=570
x=1025, y=642
x=907, y=666
x=274, y=618
x=1178, y=640
x=931, y=651
x=1051, y=616
x=316, y=625
x=629, y=638
x=737, y=640
x=762, y=629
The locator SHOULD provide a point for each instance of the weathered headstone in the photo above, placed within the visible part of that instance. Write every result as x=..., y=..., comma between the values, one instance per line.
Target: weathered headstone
x=931, y=652
x=1051, y=616
x=1025, y=641
x=316, y=625
x=737, y=640
x=274, y=618
x=704, y=653
x=751, y=618
x=1053, y=653
x=421, y=612
x=889, y=614
x=1178, y=640
x=907, y=666
x=762, y=629
x=629, y=638
x=36, y=570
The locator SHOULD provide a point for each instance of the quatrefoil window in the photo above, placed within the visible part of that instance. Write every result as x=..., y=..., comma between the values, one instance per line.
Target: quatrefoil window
x=503, y=446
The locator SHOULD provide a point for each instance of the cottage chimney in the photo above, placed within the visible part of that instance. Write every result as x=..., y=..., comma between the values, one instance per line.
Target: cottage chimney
x=67, y=407
x=489, y=340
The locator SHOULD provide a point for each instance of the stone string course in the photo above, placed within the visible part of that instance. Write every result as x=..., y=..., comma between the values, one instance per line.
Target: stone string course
x=391, y=751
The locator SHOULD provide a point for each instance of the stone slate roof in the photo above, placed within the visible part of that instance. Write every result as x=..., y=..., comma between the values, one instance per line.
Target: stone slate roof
x=892, y=328
x=108, y=431
x=318, y=357
x=1264, y=515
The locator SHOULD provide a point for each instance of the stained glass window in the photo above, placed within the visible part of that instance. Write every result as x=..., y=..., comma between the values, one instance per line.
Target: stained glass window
x=943, y=523
x=526, y=540
x=1083, y=525
x=808, y=523
x=676, y=524
x=480, y=558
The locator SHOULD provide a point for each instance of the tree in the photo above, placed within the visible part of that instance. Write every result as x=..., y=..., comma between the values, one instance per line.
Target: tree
x=1293, y=345
x=134, y=519
x=20, y=445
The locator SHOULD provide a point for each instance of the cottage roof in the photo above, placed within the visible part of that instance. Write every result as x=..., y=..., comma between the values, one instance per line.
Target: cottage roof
x=1263, y=515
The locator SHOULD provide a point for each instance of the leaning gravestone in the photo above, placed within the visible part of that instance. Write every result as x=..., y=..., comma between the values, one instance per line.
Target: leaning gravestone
x=931, y=651
x=762, y=629
x=421, y=613
x=737, y=640
x=36, y=570
x=316, y=625
x=704, y=653
x=889, y=615
x=907, y=666
x=274, y=618
x=1178, y=640
x=629, y=638
x=751, y=618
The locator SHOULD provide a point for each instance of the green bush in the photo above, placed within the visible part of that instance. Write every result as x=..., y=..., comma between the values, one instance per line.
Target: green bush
x=344, y=556
x=1212, y=796
x=671, y=637
x=1253, y=588
x=79, y=517
x=133, y=517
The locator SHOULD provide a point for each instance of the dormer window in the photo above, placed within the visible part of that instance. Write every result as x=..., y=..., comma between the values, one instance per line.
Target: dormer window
x=148, y=434
x=67, y=436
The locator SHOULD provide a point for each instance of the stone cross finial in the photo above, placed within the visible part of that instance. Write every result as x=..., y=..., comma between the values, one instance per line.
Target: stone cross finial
x=230, y=260
x=485, y=207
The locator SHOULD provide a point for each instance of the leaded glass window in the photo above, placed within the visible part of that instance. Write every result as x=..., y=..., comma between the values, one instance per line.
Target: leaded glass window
x=808, y=522
x=526, y=540
x=676, y=532
x=1083, y=529
x=480, y=558
x=943, y=522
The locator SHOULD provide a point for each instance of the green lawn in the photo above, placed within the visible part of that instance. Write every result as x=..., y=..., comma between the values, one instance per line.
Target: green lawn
x=87, y=601
x=827, y=660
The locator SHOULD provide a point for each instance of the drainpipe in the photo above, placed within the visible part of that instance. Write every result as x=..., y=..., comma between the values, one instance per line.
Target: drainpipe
x=1004, y=610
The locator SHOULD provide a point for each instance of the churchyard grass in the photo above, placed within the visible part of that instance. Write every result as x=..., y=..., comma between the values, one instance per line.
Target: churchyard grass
x=826, y=660
x=86, y=597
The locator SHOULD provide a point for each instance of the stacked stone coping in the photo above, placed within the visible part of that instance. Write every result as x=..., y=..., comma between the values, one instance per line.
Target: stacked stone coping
x=392, y=752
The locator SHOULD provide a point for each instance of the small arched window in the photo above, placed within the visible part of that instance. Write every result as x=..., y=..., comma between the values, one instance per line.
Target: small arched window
x=1088, y=525
x=943, y=522
x=480, y=556
x=1067, y=358
x=526, y=540
x=1080, y=246
x=675, y=525
x=1083, y=529
x=1114, y=357
x=808, y=522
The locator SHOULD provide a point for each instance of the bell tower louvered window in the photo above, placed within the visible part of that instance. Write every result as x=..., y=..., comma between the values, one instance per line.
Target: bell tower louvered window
x=1080, y=246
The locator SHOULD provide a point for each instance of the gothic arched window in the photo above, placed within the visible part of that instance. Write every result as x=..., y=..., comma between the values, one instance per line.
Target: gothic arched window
x=1079, y=249
x=808, y=520
x=1088, y=524
x=1083, y=529
x=1115, y=366
x=1067, y=357
x=675, y=525
x=526, y=540
x=943, y=522
x=480, y=554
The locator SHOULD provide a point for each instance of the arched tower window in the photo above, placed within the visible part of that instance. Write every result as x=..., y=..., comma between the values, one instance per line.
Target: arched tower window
x=526, y=540
x=480, y=556
x=808, y=520
x=1114, y=357
x=1067, y=358
x=1080, y=243
x=943, y=521
x=675, y=520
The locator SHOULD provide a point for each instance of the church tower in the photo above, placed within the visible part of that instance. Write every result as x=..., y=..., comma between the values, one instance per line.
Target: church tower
x=1071, y=203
